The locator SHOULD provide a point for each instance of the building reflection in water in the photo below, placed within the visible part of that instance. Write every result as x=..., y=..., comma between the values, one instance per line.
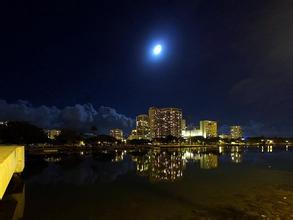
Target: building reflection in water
x=161, y=165
x=119, y=156
x=208, y=161
x=221, y=149
x=236, y=154
x=12, y=205
x=168, y=165
x=270, y=149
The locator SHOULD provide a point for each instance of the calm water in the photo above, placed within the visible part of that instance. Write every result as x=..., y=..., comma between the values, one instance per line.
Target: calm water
x=191, y=183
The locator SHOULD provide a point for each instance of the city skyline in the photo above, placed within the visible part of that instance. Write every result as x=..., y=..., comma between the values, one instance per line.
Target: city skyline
x=147, y=109
x=224, y=60
x=158, y=123
x=83, y=117
x=161, y=123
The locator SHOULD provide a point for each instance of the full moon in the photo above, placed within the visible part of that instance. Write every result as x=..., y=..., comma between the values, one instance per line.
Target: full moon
x=157, y=49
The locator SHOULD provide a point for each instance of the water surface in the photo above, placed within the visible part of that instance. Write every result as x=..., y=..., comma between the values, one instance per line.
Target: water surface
x=156, y=183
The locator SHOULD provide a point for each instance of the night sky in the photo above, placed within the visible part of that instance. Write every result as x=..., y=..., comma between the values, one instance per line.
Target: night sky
x=225, y=60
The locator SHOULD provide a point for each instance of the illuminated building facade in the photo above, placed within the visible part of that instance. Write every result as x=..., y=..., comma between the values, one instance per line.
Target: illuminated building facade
x=133, y=135
x=52, y=134
x=236, y=132
x=209, y=128
x=188, y=133
x=183, y=125
x=142, y=127
x=224, y=136
x=164, y=122
x=154, y=122
x=117, y=133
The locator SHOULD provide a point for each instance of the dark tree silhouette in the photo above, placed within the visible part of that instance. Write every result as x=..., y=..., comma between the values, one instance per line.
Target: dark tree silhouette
x=68, y=136
x=138, y=141
x=94, y=129
x=16, y=132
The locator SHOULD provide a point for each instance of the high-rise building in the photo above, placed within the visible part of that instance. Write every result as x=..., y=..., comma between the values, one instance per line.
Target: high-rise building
x=117, y=133
x=236, y=132
x=164, y=122
x=154, y=122
x=142, y=127
x=209, y=128
x=183, y=125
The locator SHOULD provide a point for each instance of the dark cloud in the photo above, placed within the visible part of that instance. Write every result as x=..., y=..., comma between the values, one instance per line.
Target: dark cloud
x=269, y=91
x=255, y=129
x=267, y=98
x=78, y=117
x=265, y=92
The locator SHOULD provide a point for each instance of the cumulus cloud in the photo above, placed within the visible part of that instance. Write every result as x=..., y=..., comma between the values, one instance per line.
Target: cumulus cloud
x=77, y=117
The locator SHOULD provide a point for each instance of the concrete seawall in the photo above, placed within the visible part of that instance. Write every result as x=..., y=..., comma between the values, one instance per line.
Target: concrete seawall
x=12, y=161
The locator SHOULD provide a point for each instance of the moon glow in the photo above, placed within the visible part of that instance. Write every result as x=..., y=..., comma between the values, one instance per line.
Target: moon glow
x=157, y=49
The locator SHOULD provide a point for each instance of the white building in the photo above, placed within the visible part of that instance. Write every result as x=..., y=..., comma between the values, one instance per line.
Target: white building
x=188, y=133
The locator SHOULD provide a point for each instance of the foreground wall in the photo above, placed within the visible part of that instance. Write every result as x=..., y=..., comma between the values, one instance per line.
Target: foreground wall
x=11, y=161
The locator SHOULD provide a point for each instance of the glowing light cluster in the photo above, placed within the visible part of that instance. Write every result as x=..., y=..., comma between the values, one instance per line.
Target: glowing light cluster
x=157, y=49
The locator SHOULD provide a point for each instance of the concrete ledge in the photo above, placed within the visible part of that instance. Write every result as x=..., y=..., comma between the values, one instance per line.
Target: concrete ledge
x=11, y=161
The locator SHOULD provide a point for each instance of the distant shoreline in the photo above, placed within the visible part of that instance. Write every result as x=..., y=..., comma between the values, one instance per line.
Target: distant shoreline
x=73, y=149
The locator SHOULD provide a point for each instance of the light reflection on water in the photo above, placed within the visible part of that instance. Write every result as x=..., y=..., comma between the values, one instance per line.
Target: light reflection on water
x=158, y=183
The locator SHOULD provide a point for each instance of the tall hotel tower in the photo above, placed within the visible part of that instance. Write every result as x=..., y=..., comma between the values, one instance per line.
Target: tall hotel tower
x=209, y=128
x=164, y=122
x=142, y=127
